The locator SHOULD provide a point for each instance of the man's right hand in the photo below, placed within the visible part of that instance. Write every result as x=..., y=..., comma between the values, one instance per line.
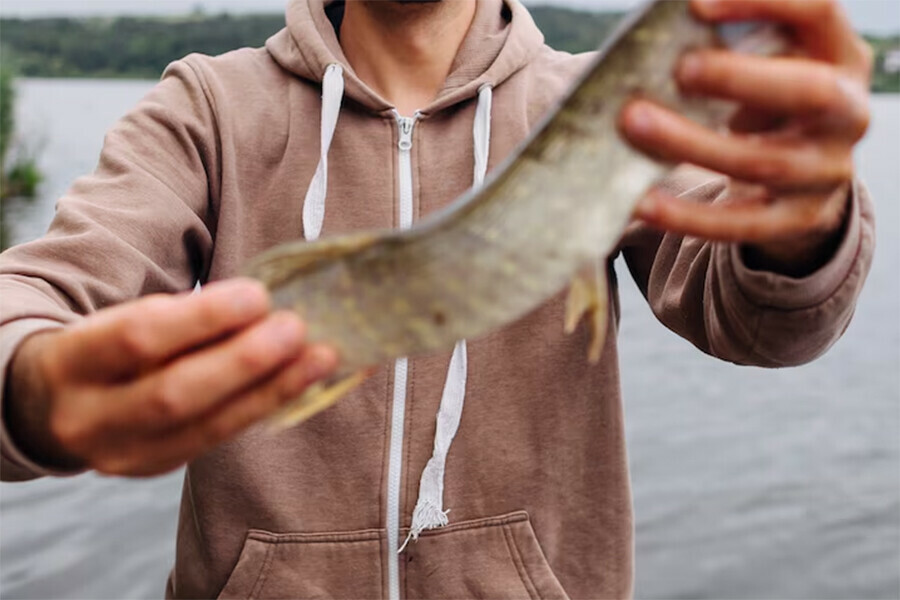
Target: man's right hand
x=141, y=388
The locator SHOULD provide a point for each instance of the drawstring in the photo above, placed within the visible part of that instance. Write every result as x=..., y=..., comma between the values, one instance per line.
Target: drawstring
x=429, y=512
x=482, y=133
x=314, y=204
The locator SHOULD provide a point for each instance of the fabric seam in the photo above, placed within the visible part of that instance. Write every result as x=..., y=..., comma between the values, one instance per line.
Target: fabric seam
x=519, y=563
x=827, y=298
x=263, y=572
x=385, y=460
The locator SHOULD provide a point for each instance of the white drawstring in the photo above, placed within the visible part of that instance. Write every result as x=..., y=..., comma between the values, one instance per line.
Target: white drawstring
x=314, y=204
x=482, y=133
x=429, y=512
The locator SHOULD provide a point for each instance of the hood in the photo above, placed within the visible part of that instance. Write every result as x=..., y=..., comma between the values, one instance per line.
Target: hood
x=502, y=39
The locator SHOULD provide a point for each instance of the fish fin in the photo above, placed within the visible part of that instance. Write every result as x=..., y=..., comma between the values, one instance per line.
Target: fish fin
x=315, y=399
x=588, y=299
x=289, y=260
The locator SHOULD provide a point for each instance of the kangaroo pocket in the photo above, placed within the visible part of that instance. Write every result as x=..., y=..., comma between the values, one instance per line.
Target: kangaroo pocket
x=308, y=565
x=497, y=557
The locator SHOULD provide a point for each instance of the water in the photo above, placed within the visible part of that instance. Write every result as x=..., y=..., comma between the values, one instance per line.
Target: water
x=747, y=483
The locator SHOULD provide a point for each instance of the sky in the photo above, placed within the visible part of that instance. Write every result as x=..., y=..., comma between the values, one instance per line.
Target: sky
x=874, y=16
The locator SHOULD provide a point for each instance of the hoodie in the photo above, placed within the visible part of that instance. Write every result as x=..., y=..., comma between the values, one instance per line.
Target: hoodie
x=231, y=155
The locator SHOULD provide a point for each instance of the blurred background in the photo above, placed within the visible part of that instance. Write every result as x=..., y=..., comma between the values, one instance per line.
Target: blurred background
x=748, y=483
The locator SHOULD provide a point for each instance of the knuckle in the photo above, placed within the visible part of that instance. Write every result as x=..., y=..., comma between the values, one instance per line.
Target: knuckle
x=155, y=306
x=210, y=312
x=824, y=92
x=70, y=432
x=138, y=339
x=772, y=169
x=166, y=404
x=254, y=357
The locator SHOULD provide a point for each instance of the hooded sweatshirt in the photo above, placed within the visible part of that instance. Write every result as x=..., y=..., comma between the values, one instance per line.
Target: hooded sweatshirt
x=219, y=162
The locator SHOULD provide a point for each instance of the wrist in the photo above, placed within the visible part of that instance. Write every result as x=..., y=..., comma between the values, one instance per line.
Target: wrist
x=28, y=404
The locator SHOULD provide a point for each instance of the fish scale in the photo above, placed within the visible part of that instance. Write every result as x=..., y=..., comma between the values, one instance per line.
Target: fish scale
x=560, y=203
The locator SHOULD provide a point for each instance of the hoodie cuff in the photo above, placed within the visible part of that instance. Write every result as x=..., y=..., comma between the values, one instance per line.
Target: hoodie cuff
x=776, y=291
x=14, y=464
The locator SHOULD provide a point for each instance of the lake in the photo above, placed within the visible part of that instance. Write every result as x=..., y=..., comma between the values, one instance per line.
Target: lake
x=748, y=483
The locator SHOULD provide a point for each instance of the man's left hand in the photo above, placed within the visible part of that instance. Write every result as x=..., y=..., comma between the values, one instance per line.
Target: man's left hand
x=792, y=140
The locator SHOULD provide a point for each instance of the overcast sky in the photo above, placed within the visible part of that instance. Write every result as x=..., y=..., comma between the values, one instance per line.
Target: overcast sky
x=876, y=16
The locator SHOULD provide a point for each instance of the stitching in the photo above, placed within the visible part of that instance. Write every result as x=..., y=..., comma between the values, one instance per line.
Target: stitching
x=516, y=557
x=263, y=572
x=515, y=517
x=407, y=434
x=395, y=163
x=314, y=538
x=384, y=475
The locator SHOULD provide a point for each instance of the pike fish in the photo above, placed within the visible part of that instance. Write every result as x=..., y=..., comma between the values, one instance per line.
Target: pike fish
x=489, y=258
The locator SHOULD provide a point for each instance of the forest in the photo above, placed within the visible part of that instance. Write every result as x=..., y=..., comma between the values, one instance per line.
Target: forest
x=139, y=47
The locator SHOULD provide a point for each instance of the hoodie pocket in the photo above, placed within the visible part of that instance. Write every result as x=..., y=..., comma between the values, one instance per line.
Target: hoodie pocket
x=308, y=565
x=497, y=557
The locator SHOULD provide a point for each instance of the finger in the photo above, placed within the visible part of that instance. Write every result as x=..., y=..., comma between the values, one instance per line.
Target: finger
x=758, y=159
x=126, y=339
x=145, y=457
x=752, y=221
x=196, y=382
x=822, y=26
x=780, y=85
x=318, y=363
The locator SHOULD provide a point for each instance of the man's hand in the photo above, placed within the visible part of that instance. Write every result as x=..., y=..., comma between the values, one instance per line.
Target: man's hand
x=792, y=140
x=142, y=388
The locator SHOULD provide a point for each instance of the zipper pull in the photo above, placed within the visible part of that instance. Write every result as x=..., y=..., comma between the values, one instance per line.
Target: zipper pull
x=406, y=129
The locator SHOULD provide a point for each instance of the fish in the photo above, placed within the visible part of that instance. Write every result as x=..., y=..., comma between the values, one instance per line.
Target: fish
x=491, y=256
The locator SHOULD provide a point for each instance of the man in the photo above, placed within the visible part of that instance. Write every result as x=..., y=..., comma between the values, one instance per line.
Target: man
x=361, y=116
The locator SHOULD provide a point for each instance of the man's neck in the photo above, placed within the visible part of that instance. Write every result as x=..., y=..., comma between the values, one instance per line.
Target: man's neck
x=404, y=51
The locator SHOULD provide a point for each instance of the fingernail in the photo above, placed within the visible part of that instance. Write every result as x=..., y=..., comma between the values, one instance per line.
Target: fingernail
x=248, y=297
x=640, y=121
x=648, y=206
x=690, y=68
x=286, y=331
x=321, y=361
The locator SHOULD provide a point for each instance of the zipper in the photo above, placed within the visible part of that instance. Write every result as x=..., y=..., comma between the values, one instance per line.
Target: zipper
x=405, y=126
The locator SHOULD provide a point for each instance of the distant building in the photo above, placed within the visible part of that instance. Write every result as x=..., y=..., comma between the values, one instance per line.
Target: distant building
x=892, y=61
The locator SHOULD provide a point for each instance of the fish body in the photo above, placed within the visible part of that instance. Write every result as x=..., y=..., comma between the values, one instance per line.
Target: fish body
x=560, y=203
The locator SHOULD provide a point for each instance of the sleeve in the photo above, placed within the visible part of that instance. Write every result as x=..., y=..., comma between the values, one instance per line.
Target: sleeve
x=142, y=223
x=704, y=291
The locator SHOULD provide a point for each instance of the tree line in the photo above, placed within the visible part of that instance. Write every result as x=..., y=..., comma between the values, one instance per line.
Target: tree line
x=140, y=47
